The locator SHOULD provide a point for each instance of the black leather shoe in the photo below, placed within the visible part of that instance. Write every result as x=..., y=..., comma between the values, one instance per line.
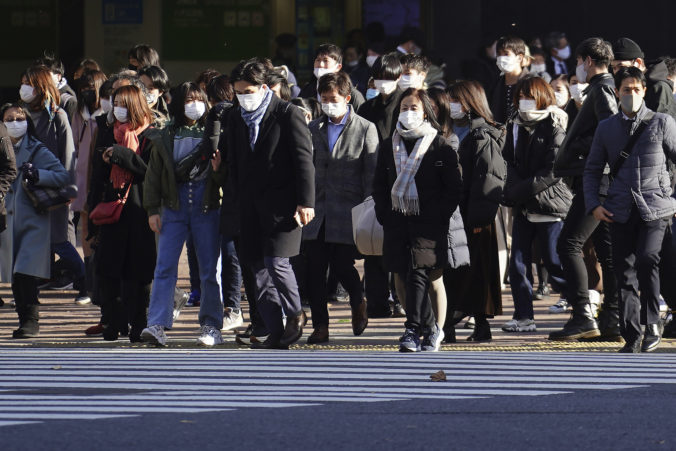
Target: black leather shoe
x=631, y=347
x=319, y=335
x=272, y=342
x=359, y=319
x=482, y=332
x=449, y=334
x=651, y=337
x=294, y=329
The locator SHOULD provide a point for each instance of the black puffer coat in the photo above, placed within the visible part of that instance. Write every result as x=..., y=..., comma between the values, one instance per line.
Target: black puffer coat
x=531, y=185
x=483, y=173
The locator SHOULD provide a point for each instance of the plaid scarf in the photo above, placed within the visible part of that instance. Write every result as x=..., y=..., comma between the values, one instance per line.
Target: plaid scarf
x=404, y=192
x=253, y=118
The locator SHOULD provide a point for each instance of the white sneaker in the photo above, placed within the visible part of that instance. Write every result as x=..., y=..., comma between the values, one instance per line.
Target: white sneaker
x=560, y=307
x=155, y=335
x=232, y=318
x=180, y=299
x=663, y=305
x=521, y=325
x=83, y=300
x=595, y=301
x=210, y=336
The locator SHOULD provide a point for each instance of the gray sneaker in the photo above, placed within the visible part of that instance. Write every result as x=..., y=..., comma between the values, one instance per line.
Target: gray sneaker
x=180, y=300
x=210, y=336
x=432, y=341
x=154, y=335
x=83, y=300
x=232, y=318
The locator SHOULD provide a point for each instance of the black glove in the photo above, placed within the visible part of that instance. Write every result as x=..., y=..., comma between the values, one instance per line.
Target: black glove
x=30, y=173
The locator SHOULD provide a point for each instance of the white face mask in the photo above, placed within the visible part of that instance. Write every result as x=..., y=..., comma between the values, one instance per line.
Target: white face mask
x=120, y=113
x=563, y=53
x=561, y=98
x=333, y=110
x=321, y=71
x=538, y=68
x=151, y=98
x=631, y=103
x=456, y=110
x=354, y=63
x=527, y=105
x=411, y=119
x=251, y=102
x=194, y=110
x=107, y=105
x=386, y=87
x=507, y=63
x=56, y=78
x=372, y=93
x=576, y=92
x=27, y=93
x=581, y=73
x=16, y=129
x=410, y=81
x=371, y=60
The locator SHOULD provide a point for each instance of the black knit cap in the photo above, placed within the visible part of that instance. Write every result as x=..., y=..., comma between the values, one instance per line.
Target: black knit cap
x=625, y=49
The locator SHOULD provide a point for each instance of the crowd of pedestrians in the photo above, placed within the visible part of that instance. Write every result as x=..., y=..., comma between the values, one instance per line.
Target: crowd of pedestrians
x=540, y=162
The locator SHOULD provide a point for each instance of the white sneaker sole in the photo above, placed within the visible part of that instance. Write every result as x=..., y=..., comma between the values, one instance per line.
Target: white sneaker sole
x=553, y=309
x=208, y=341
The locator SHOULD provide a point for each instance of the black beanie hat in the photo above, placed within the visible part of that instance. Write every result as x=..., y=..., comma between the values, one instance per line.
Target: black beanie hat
x=625, y=49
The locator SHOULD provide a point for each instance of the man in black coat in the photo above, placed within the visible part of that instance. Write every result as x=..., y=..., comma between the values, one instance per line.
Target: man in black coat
x=269, y=162
x=593, y=57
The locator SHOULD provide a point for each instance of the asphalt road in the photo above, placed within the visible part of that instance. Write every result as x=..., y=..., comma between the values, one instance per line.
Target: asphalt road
x=55, y=399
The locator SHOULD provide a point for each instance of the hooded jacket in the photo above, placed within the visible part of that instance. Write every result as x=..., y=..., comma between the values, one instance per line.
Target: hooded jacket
x=659, y=95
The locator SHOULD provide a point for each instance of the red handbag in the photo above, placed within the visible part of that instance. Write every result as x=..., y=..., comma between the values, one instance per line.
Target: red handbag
x=109, y=212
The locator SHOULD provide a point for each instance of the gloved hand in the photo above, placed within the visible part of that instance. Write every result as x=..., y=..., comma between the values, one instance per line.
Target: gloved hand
x=30, y=173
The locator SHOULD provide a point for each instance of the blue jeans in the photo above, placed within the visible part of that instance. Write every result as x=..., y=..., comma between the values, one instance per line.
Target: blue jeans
x=523, y=234
x=231, y=273
x=193, y=266
x=67, y=252
x=176, y=226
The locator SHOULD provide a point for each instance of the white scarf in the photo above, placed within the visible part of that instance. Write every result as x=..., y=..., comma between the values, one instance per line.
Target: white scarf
x=404, y=192
x=529, y=118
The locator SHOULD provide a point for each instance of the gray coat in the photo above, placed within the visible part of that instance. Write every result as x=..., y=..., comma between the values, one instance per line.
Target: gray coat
x=643, y=179
x=458, y=250
x=25, y=245
x=343, y=177
x=56, y=134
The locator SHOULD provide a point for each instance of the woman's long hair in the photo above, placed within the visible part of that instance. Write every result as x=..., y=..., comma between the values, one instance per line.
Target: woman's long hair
x=471, y=95
x=177, y=105
x=424, y=98
x=40, y=78
x=138, y=112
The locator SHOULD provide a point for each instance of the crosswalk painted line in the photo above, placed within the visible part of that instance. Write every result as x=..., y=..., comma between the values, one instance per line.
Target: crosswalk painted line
x=38, y=385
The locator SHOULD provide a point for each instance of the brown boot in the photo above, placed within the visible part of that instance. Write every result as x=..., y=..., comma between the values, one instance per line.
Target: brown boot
x=319, y=335
x=360, y=319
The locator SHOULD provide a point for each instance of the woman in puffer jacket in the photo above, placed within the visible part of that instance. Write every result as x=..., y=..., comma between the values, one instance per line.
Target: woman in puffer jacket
x=540, y=201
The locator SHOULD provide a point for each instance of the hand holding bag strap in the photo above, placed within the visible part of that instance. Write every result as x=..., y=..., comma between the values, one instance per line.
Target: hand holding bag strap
x=628, y=149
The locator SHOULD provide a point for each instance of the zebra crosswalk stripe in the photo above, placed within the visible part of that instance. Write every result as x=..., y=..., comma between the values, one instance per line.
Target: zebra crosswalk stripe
x=45, y=384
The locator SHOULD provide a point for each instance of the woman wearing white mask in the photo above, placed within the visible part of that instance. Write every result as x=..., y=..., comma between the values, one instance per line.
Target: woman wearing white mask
x=25, y=245
x=416, y=188
x=156, y=82
x=182, y=198
x=512, y=62
x=85, y=128
x=125, y=250
x=540, y=201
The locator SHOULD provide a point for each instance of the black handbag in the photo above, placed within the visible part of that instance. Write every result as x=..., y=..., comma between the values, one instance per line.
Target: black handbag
x=193, y=164
x=43, y=198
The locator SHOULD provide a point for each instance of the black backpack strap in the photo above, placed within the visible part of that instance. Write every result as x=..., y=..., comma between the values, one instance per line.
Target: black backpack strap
x=628, y=149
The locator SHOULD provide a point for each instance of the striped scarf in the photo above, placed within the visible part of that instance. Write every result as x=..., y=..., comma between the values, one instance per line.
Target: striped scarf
x=404, y=192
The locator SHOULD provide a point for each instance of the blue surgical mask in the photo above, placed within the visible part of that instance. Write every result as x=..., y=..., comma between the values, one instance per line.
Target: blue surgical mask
x=372, y=93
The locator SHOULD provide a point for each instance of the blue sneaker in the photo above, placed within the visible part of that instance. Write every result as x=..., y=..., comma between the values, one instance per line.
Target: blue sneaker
x=409, y=342
x=433, y=339
x=194, y=300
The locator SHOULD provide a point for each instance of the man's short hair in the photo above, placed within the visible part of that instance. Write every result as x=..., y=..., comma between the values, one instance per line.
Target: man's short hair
x=553, y=38
x=600, y=51
x=51, y=62
x=252, y=71
x=516, y=45
x=339, y=81
x=416, y=62
x=330, y=50
x=387, y=67
x=629, y=72
x=671, y=65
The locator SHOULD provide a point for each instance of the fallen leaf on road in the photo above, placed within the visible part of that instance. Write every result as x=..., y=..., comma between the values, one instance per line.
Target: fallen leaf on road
x=439, y=376
x=57, y=367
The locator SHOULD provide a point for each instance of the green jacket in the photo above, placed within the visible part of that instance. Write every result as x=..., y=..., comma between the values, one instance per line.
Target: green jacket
x=160, y=188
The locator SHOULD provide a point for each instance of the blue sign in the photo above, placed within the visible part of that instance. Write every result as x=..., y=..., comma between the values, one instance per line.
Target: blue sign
x=120, y=12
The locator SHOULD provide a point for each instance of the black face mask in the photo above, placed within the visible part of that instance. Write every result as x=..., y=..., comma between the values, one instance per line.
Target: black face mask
x=132, y=67
x=89, y=98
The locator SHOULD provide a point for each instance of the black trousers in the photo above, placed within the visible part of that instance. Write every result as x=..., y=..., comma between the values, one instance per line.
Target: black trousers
x=636, y=254
x=376, y=285
x=578, y=227
x=668, y=266
x=124, y=301
x=320, y=255
x=25, y=290
x=419, y=314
